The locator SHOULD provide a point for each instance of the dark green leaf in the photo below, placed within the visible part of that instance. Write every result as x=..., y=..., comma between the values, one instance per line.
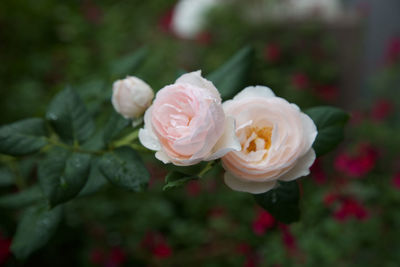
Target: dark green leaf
x=330, y=123
x=36, y=227
x=96, y=179
x=22, y=199
x=192, y=170
x=6, y=176
x=69, y=117
x=115, y=125
x=127, y=64
x=123, y=167
x=282, y=202
x=231, y=77
x=23, y=137
x=63, y=174
x=177, y=179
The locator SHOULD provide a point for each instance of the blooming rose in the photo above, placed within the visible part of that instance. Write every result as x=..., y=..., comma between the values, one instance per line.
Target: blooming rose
x=186, y=123
x=276, y=139
x=131, y=96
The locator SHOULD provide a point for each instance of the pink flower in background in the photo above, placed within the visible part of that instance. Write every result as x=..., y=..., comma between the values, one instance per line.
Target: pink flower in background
x=350, y=208
x=392, y=54
x=396, y=181
x=272, y=52
x=317, y=173
x=381, y=110
x=217, y=212
x=4, y=249
x=357, y=165
x=300, y=81
x=263, y=222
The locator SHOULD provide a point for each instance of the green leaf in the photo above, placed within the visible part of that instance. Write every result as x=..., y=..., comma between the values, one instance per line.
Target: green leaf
x=22, y=199
x=123, y=167
x=231, y=77
x=176, y=179
x=282, y=202
x=96, y=179
x=115, y=125
x=63, y=174
x=35, y=229
x=23, y=137
x=6, y=176
x=127, y=64
x=330, y=123
x=69, y=117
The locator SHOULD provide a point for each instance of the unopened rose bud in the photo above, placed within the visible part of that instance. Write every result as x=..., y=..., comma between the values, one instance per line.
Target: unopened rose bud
x=131, y=97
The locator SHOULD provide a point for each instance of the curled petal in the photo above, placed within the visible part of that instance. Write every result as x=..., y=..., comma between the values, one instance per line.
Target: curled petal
x=228, y=141
x=302, y=167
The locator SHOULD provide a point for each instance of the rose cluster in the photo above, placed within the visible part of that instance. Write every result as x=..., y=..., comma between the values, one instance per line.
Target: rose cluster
x=260, y=138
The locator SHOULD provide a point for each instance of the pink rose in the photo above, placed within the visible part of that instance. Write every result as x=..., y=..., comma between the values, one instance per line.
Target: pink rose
x=276, y=139
x=186, y=123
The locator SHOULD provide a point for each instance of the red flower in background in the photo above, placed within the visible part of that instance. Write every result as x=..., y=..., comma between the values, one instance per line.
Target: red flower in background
x=328, y=93
x=156, y=244
x=396, y=181
x=300, y=81
x=287, y=238
x=4, y=249
x=317, y=173
x=350, y=208
x=164, y=23
x=116, y=257
x=330, y=198
x=382, y=109
x=358, y=165
x=272, y=52
x=392, y=54
x=193, y=188
x=92, y=12
x=263, y=222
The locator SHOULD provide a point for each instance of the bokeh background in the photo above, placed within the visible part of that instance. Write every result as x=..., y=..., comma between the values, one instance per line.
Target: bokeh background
x=313, y=52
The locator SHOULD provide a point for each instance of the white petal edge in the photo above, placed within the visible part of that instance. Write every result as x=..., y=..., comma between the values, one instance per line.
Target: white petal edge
x=302, y=167
x=195, y=78
x=227, y=142
x=255, y=91
x=310, y=130
x=146, y=136
x=250, y=187
x=160, y=155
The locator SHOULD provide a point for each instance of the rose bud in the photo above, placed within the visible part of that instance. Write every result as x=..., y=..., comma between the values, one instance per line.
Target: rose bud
x=131, y=97
x=276, y=139
x=186, y=123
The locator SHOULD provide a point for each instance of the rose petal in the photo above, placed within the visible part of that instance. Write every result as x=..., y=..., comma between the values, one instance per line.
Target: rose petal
x=146, y=134
x=160, y=155
x=228, y=141
x=310, y=130
x=255, y=91
x=195, y=78
x=302, y=167
x=249, y=187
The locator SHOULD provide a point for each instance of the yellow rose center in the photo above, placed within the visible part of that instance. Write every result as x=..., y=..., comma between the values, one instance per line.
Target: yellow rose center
x=260, y=138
